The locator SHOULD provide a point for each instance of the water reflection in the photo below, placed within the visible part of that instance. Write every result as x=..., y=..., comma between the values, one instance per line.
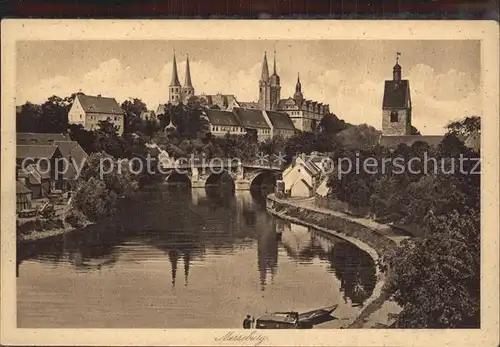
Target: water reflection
x=168, y=233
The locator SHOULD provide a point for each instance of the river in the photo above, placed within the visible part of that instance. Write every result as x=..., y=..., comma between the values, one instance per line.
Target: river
x=189, y=259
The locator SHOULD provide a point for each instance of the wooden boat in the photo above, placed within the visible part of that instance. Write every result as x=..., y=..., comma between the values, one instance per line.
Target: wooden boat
x=293, y=320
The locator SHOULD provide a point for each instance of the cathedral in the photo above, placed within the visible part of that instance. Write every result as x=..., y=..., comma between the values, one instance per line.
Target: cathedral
x=305, y=114
x=177, y=93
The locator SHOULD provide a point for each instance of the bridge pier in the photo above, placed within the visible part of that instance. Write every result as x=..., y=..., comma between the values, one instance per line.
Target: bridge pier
x=242, y=185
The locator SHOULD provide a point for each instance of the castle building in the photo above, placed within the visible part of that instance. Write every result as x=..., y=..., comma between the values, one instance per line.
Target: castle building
x=177, y=93
x=305, y=114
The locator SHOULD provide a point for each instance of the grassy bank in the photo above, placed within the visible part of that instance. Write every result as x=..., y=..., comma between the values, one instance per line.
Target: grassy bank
x=375, y=240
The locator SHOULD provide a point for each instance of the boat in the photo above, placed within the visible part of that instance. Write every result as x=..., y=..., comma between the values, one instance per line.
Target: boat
x=294, y=320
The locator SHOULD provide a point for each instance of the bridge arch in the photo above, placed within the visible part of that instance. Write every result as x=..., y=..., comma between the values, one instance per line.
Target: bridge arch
x=262, y=179
x=223, y=177
x=177, y=178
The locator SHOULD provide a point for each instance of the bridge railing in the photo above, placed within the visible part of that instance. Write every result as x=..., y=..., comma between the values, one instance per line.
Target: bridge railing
x=227, y=163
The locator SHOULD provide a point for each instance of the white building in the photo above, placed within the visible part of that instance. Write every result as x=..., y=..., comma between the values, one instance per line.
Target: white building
x=90, y=110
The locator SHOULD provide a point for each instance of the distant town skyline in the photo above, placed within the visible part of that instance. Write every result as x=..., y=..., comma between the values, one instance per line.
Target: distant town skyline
x=349, y=75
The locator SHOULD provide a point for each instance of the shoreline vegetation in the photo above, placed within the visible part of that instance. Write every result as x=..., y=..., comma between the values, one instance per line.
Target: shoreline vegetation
x=371, y=237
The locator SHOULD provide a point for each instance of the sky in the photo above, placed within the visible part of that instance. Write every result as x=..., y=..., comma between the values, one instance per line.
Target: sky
x=346, y=74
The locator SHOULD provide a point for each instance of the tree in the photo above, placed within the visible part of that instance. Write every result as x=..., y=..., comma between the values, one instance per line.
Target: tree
x=437, y=279
x=360, y=137
x=465, y=127
x=331, y=124
x=133, y=109
x=85, y=138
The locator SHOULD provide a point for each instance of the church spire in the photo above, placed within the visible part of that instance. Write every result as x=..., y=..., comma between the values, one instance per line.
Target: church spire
x=175, y=77
x=298, y=96
x=188, y=74
x=396, y=71
x=265, y=69
x=274, y=65
x=298, y=86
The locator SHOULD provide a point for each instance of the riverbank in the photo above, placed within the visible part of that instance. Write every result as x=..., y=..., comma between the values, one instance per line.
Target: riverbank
x=371, y=237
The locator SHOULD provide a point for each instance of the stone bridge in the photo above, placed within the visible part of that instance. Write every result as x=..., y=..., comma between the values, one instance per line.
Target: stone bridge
x=201, y=174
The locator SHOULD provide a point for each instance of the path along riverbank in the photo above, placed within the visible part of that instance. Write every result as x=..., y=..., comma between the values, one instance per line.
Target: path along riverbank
x=368, y=235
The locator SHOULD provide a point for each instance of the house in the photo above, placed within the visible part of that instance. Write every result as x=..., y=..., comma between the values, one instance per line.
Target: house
x=224, y=122
x=255, y=121
x=303, y=177
x=70, y=150
x=39, y=165
x=89, y=111
x=23, y=197
x=281, y=124
x=75, y=158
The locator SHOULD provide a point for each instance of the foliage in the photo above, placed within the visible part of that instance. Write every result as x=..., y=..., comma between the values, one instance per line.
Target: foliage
x=465, y=127
x=331, y=124
x=133, y=109
x=362, y=137
x=49, y=117
x=437, y=279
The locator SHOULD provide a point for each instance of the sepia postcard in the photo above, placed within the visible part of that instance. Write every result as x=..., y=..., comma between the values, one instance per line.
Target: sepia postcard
x=208, y=183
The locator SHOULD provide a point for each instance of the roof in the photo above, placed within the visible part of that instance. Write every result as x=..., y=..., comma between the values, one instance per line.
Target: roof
x=280, y=120
x=395, y=141
x=21, y=188
x=250, y=105
x=75, y=151
x=160, y=109
x=35, y=151
x=396, y=93
x=253, y=119
x=39, y=138
x=310, y=166
x=323, y=188
x=221, y=100
x=217, y=117
x=31, y=173
x=99, y=104
x=287, y=103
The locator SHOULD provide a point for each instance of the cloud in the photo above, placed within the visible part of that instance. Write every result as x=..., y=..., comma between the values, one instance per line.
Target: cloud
x=437, y=98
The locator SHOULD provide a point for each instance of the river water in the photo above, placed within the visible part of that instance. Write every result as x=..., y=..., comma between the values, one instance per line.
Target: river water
x=189, y=259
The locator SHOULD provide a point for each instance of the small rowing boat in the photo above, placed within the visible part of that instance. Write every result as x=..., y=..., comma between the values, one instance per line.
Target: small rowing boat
x=294, y=320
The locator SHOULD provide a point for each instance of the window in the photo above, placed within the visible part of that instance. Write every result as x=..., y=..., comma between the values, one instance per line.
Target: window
x=394, y=117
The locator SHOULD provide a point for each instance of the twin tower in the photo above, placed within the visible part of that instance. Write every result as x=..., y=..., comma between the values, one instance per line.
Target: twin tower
x=269, y=86
x=180, y=94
